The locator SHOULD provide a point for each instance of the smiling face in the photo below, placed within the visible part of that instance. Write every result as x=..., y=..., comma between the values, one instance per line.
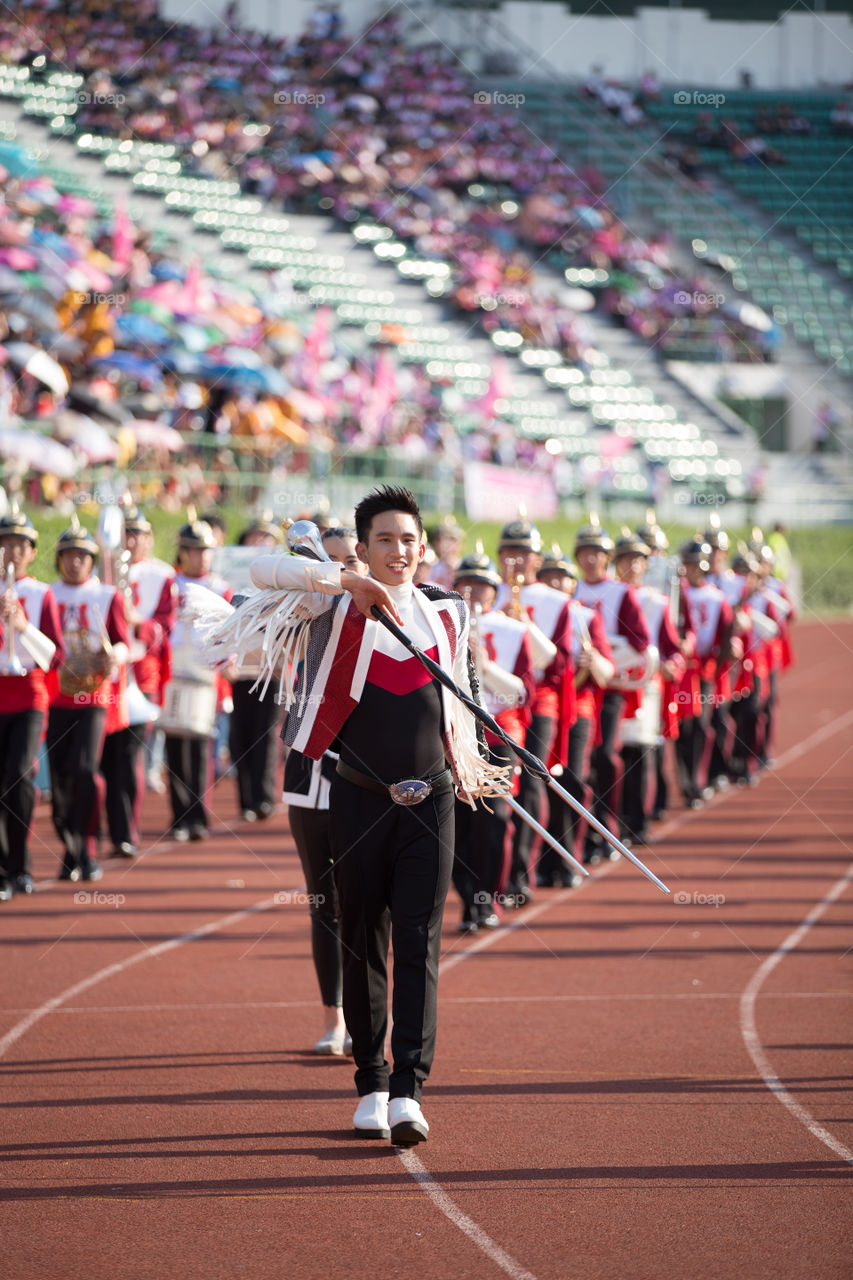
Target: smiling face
x=394, y=548
x=343, y=550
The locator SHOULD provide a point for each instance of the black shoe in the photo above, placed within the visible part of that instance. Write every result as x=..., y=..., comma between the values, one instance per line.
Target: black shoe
x=265, y=810
x=91, y=871
x=198, y=832
x=125, y=850
x=7, y=893
x=570, y=879
x=24, y=883
x=467, y=926
x=70, y=870
x=490, y=921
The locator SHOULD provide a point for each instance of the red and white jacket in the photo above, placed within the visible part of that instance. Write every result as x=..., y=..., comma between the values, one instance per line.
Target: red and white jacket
x=318, y=625
x=92, y=609
x=153, y=598
x=30, y=692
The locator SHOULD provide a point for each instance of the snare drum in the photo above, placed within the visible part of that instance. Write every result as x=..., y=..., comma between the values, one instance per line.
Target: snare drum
x=189, y=709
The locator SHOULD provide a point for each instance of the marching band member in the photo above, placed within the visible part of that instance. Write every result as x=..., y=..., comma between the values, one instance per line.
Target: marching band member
x=393, y=853
x=681, y=696
x=30, y=645
x=152, y=611
x=545, y=613
x=446, y=541
x=131, y=712
x=306, y=792
x=713, y=619
x=624, y=624
x=188, y=747
x=750, y=674
x=252, y=734
x=503, y=663
x=641, y=733
x=722, y=718
x=781, y=651
x=592, y=661
x=94, y=630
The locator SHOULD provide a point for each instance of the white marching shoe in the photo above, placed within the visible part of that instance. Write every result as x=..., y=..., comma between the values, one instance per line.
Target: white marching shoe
x=371, y=1116
x=407, y=1122
x=331, y=1044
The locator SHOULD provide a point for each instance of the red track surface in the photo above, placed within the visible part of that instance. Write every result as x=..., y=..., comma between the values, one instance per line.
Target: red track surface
x=595, y=1111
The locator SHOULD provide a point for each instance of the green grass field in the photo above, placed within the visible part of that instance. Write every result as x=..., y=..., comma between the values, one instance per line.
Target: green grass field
x=824, y=554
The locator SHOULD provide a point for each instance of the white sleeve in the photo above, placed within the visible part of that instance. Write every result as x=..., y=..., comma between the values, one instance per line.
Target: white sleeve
x=504, y=685
x=296, y=573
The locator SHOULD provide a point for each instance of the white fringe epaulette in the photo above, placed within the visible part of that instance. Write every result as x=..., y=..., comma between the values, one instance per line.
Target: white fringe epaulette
x=270, y=629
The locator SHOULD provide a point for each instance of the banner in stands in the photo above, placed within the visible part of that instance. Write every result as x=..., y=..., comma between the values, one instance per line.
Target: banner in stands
x=493, y=493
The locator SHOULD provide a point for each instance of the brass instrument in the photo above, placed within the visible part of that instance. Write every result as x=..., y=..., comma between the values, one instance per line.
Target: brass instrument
x=115, y=570
x=12, y=664
x=515, y=581
x=88, y=659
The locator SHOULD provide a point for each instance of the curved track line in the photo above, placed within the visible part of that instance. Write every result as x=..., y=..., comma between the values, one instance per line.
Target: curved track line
x=451, y=1210
x=110, y=971
x=749, y=1032
x=442, y=1201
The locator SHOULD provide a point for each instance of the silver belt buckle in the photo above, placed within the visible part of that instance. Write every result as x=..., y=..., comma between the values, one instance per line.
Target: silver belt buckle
x=411, y=791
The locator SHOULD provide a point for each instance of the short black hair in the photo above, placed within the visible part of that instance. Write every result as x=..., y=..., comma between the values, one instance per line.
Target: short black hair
x=338, y=532
x=390, y=497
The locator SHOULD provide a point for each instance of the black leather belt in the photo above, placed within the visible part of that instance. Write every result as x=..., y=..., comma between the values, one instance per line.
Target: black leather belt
x=408, y=792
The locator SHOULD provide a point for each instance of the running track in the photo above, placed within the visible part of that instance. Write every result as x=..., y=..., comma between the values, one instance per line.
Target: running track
x=626, y=1085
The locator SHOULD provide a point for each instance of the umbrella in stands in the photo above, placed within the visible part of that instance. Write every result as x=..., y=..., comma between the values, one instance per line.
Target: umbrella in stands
x=86, y=435
x=156, y=435
x=131, y=365
x=39, y=364
x=32, y=452
x=80, y=397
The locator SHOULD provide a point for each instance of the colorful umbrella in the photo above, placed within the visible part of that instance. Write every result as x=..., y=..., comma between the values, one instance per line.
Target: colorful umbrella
x=33, y=452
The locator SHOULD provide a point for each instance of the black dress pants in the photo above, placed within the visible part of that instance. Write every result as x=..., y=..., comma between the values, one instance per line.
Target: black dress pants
x=74, y=737
x=602, y=771
x=20, y=732
x=479, y=848
x=531, y=796
x=310, y=830
x=392, y=870
x=188, y=761
x=563, y=820
x=120, y=765
x=253, y=744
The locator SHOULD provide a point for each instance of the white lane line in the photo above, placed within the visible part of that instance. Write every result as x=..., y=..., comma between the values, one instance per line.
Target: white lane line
x=466, y=1225
x=749, y=1030
x=111, y=970
x=412, y=1163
